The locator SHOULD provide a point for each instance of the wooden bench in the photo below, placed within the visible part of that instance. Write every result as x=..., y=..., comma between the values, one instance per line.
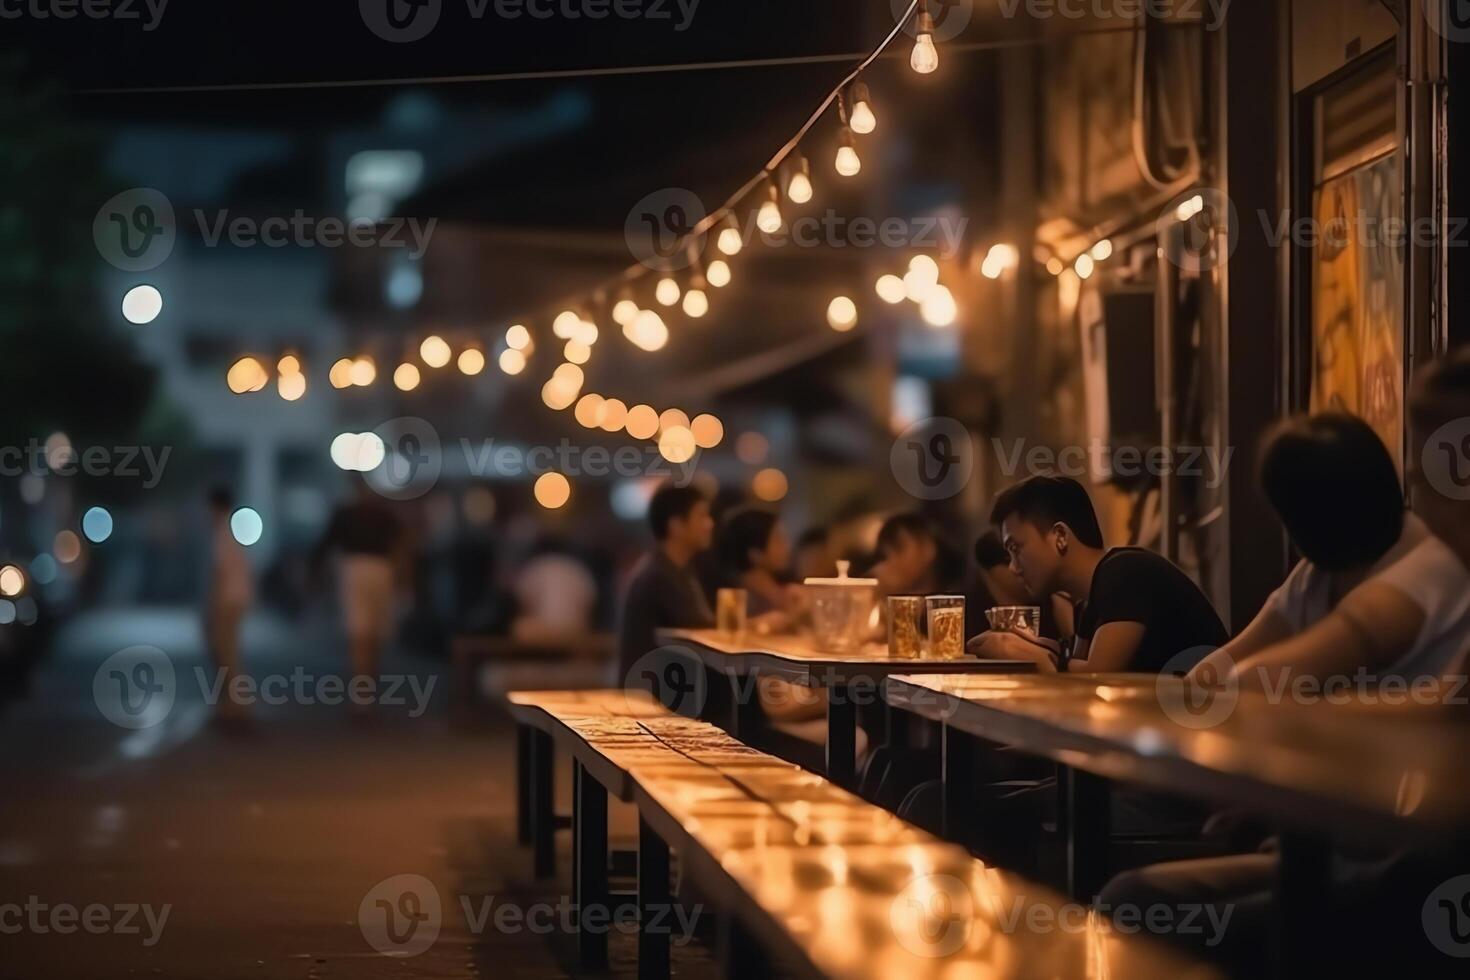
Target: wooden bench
x=837, y=885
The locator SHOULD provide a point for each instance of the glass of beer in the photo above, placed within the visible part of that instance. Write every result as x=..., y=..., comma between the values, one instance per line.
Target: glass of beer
x=730, y=605
x=905, y=640
x=946, y=627
x=1015, y=619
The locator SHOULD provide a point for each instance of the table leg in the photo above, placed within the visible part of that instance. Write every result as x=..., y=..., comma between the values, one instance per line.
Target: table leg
x=745, y=706
x=1088, y=831
x=589, y=863
x=523, y=784
x=543, y=815
x=957, y=760
x=1304, y=898
x=653, y=904
x=841, y=738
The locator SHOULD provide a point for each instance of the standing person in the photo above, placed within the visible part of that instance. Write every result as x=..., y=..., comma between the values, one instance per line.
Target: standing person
x=1136, y=611
x=368, y=539
x=663, y=592
x=230, y=592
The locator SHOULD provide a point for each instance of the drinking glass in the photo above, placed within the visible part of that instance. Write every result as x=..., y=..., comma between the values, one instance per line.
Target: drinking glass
x=1012, y=619
x=905, y=641
x=946, y=627
x=730, y=607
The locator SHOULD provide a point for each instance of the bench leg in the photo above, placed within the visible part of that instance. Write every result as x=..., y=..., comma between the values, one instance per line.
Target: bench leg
x=1089, y=815
x=523, y=784
x=1304, y=900
x=589, y=868
x=957, y=757
x=653, y=904
x=543, y=796
x=841, y=738
x=745, y=704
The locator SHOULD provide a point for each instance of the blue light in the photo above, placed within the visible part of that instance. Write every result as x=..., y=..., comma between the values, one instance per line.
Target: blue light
x=43, y=569
x=246, y=526
x=97, y=525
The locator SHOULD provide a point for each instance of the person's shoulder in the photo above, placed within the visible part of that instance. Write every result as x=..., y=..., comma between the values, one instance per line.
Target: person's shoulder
x=1431, y=562
x=1134, y=561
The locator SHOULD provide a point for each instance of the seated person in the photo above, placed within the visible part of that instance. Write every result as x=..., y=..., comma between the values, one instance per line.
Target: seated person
x=913, y=559
x=1136, y=612
x=663, y=592
x=814, y=557
x=1003, y=587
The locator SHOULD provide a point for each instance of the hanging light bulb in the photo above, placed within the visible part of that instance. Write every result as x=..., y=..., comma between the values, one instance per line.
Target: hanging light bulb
x=925, y=57
x=729, y=240
x=799, y=184
x=862, y=120
x=891, y=289
x=565, y=324
x=696, y=303
x=624, y=311
x=841, y=314
x=667, y=291
x=848, y=163
x=768, y=219
x=718, y=273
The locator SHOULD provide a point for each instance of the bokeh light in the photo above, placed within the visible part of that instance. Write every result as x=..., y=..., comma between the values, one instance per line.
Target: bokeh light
x=97, y=524
x=246, y=526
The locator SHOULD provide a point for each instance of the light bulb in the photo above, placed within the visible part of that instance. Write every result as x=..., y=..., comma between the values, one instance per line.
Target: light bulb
x=624, y=311
x=925, y=57
x=769, y=218
x=862, y=121
x=890, y=289
x=718, y=273
x=406, y=377
x=729, y=240
x=696, y=304
x=848, y=163
x=841, y=314
x=667, y=291
x=1103, y=250
x=435, y=351
x=938, y=308
x=1085, y=266
x=565, y=324
x=518, y=337
x=800, y=188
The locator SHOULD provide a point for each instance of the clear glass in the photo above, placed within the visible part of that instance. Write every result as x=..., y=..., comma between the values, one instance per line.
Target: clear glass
x=946, y=627
x=905, y=639
x=730, y=609
x=1013, y=619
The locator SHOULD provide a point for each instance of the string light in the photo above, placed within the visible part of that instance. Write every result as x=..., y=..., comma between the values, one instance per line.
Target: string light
x=708, y=431
x=696, y=303
x=291, y=386
x=1000, y=259
x=512, y=361
x=1055, y=266
x=246, y=375
x=614, y=414
x=1085, y=266
x=589, y=410
x=552, y=490
x=518, y=338
x=862, y=121
x=364, y=372
x=922, y=277
x=718, y=273
x=587, y=333
x=925, y=57
x=471, y=361
x=677, y=445
x=577, y=352
x=667, y=291
x=1103, y=250
x=624, y=312
x=647, y=331
x=434, y=351
x=729, y=240
x=847, y=162
x=768, y=219
x=799, y=183
x=938, y=307
x=673, y=418
x=841, y=314
x=341, y=373
x=642, y=422
x=890, y=289
x=406, y=377
x=565, y=324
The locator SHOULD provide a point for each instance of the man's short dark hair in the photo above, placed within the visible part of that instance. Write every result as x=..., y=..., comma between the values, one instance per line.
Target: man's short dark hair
x=1334, y=485
x=1047, y=500
x=990, y=552
x=670, y=502
x=899, y=526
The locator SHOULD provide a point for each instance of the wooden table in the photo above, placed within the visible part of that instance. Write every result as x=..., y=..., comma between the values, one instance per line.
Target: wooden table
x=1380, y=775
x=845, y=678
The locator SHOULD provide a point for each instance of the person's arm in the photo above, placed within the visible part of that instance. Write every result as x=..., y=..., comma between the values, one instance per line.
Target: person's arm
x=1110, y=651
x=1266, y=630
x=1371, y=628
x=1005, y=645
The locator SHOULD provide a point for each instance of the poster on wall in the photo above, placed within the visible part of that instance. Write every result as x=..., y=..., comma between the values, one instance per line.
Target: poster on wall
x=1357, y=302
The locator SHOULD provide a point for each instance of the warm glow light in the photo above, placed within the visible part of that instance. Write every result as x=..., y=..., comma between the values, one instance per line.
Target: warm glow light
x=587, y=333
x=642, y=422
x=938, y=308
x=729, y=240
x=364, y=372
x=512, y=361
x=1055, y=266
x=1085, y=266
x=565, y=325
x=624, y=312
x=673, y=418
x=518, y=337
x=891, y=289
x=614, y=415
x=677, y=444
x=667, y=291
x=847, y=162
x=841, y=314
x=925, y=57
x=559, y=393
x=696, y=303
x=863, y=121
x=341, y=373
x=142, y=304
x=246, y=374
x=1188, y=209
x=589, y=410
x=769, y=485
x=799, y=189
x=768, y=219
x=435, y=351
x=12, y=580
x=552, y=490
x=571, y=373
x=718, y=273
x=406, y=377
x=471, y=361
x=1103, y=250
x=291, y=386
x=577, y=352
x=647, y=331
x=290, y=364
x=917, y=286
x=67, y=547
x=708, y=431
x=925, y=267
x=751, y=448
x=1000, y=259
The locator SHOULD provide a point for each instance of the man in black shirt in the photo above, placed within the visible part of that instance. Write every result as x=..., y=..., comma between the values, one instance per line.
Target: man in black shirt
x=663, y=592
x=1136, y=611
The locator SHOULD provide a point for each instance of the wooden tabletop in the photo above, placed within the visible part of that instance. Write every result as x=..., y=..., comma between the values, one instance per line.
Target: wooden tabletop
x=1373, y=773
x=797, y=659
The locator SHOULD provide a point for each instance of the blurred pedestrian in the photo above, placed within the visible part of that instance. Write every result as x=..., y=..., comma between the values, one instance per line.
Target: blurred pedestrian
x=228, y=597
